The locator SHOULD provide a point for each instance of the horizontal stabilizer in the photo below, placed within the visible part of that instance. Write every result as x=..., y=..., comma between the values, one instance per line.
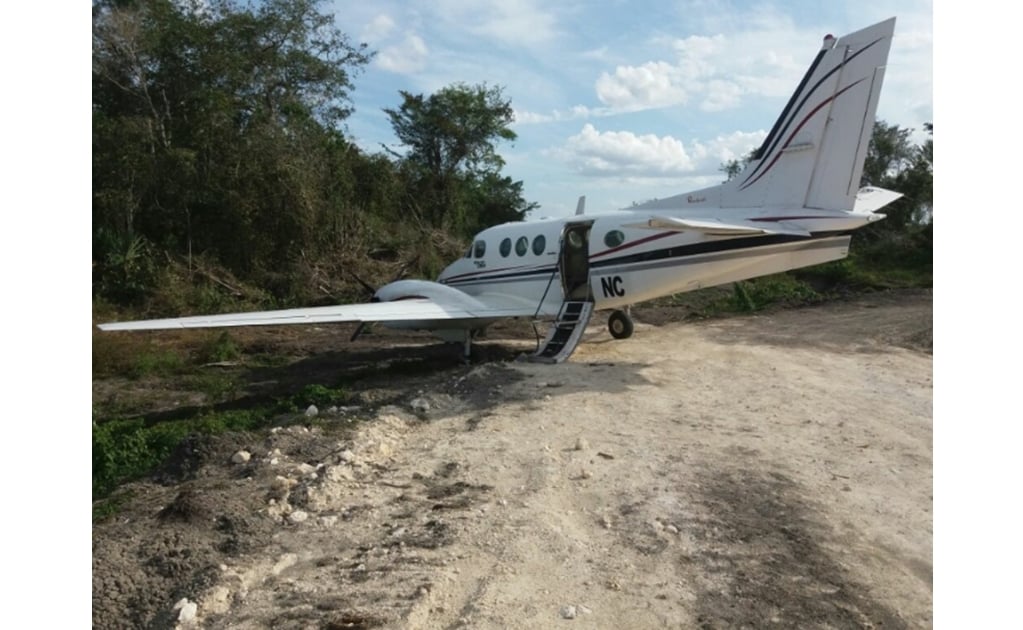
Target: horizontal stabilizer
x=715, y=227
x=872, y=199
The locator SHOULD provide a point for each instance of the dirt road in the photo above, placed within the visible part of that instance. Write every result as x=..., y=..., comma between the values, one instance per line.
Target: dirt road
x=771, y=470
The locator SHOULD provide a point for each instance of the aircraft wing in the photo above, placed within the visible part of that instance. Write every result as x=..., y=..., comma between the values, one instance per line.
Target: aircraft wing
x=715, y=227
x=414, y=309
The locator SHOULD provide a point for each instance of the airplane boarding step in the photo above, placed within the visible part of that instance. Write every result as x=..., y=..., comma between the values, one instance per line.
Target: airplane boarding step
x=565, y=334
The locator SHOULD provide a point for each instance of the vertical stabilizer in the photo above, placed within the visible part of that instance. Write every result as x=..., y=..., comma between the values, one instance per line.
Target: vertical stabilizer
x=813, y=156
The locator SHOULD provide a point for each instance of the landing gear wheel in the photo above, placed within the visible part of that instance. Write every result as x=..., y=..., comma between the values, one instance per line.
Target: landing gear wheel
x=620, y=325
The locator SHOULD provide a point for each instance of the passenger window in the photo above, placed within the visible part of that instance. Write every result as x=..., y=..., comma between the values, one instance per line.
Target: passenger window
x=479, y=249
x=505, y=247
x=521, y=246
x=539, y=244
x=614, y=238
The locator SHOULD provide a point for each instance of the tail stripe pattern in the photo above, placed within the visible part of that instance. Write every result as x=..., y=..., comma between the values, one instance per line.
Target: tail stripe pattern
x=762, y=152
x=796, y=130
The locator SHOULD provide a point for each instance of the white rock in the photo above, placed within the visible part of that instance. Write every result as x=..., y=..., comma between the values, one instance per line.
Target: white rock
x=298, y=516
x=420, y=405
x=346, y=456
x=305, y=469
x=332, y=409
x=311, y=411
x=671, y=528
x=241, y=457
x=568, y=612
x=186, y=610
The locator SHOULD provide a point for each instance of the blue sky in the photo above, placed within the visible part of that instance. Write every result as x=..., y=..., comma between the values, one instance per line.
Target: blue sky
x=623, y=101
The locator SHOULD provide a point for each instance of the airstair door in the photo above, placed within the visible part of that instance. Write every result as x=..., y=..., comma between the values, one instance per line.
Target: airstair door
x=574, y=262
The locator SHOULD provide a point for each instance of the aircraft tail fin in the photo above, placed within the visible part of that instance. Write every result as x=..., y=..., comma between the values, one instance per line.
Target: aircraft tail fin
x=813, y=156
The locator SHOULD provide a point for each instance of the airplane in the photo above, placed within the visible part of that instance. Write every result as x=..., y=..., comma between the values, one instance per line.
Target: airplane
x=795, y=204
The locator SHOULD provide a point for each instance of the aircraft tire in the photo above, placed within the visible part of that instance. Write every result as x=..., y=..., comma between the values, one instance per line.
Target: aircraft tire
x=620, y=325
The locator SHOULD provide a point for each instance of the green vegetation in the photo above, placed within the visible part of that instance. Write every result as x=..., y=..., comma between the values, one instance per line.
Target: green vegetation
x=124, y=449
x=222, y=174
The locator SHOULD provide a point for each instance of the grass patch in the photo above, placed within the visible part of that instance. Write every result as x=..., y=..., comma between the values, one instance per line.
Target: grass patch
x=321, y=396
x=782, y=288
x=127, y=449
x=217, y=348
x=215, y=386
x=156, y=363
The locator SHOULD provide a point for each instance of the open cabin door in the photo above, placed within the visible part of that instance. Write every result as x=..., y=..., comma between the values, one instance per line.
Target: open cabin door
x=574, y=267
x=574, y=262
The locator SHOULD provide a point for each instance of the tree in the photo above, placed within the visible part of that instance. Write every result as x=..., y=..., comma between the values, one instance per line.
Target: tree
x=894, y=162
x=454, y=130
x=450, y=139
x=216, y=126
x=733, y=167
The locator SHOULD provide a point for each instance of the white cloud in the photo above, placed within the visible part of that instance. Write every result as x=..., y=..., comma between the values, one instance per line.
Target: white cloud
x=513, y=22
x=712, y=72
x=721, y=95
x=710, y=154
x=577, y=112
x=381, y=26
x=405, y=57
x=653, y=84
x=624, y=153
x=627, y=155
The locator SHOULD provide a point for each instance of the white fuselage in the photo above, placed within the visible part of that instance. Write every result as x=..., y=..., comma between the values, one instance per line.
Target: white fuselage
x=522, y=262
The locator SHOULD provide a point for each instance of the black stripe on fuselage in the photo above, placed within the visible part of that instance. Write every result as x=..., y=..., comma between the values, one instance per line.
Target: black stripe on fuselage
x=706, y=247
x=722, y=255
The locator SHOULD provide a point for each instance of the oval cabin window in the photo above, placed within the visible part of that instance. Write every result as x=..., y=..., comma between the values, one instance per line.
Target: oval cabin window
x=505, y=247
x=539, y=244
x=521, y=246
x=479, y=249
x=614, y=238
